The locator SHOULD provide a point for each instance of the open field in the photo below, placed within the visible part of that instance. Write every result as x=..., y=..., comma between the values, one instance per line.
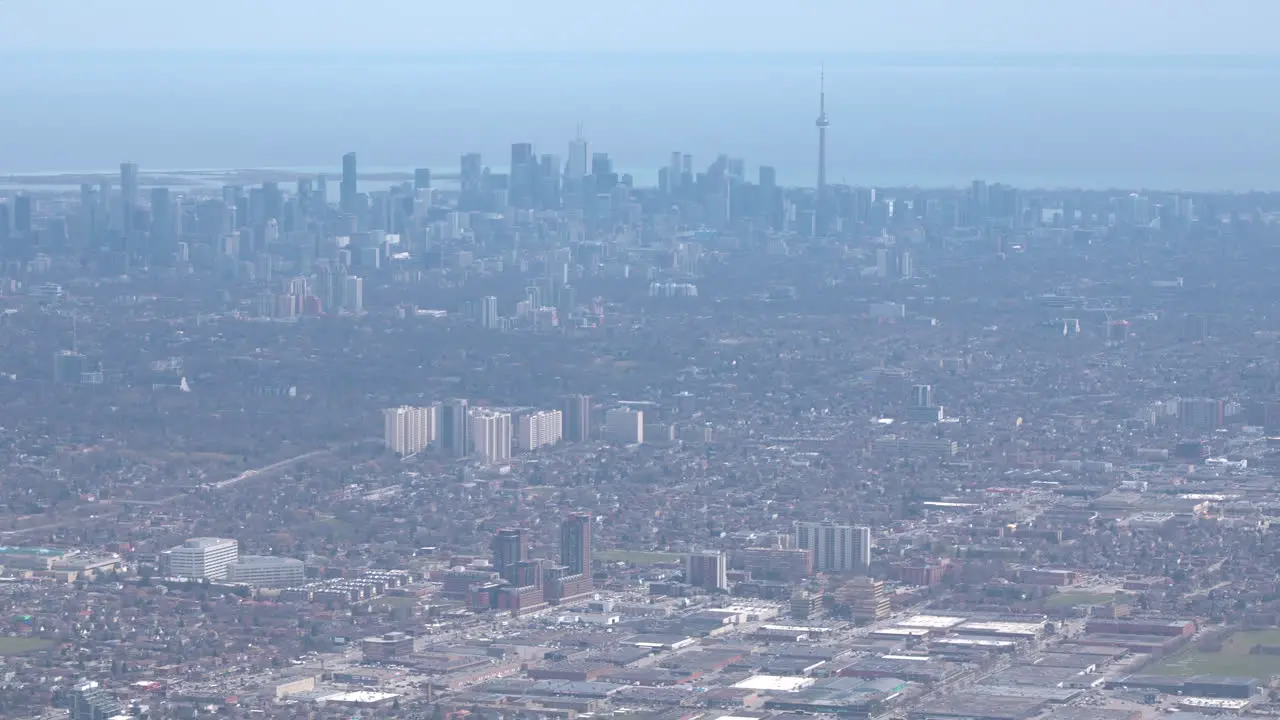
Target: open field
x=1077, y=598
x=18, y=645
x=637, y=557
x=1233, y=659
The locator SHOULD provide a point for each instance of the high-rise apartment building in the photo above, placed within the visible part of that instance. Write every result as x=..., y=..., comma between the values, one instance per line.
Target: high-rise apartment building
x=922, y=395
x=540, y=429
x=489, y=312
x=491, y=435
x=576, y=415
x=575, y=544
x=205, y=558
x=455, y=427
x=707, y=570
x=407, y=430
x=625, y=425
x=836, y=548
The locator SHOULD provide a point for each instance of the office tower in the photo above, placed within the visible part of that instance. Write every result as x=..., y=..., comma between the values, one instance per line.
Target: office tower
x=865, y=598
x=922, y=395
x=905, y=270
x=22, y=214
x=267, y=571
x=128, y=196
x=491, y=436
x=625, y=426
x=68, y=367
x=421, y=179
x=90, y=702
x=455, y=427
x=347, y=189
x=509, y=550
x=489, y=312
x=575, y=544
x=204, y=558
x=707, y=570
x=601, y=165
x=778, y=563
x=4, y=221
x=836, y=548
x=407, y=430
x=471, y=180
x=576, y=415
x=353, y=294
x=575, y=167
x=540, y=429
x=163, y=222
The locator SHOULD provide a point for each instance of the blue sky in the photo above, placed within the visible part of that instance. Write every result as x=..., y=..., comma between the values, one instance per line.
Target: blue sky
x=954, y=26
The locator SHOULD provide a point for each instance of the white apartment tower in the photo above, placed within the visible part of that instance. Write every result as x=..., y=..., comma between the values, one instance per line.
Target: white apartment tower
x=836, y=548
x=625, y=425
x=491, y=435
x=205, y=558
x=540, y=429
x=407, y=430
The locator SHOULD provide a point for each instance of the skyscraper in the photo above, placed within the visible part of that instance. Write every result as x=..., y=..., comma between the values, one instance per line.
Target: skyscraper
x=455, y=427
x=489, y=312
x=163, y=223
x=575, y=167
x=836, y=548
x=575, y=544
x=576, y=411
x=22, y=214
x=347, y=190
x=128, y=195
x=509, y=550
x=422, y=179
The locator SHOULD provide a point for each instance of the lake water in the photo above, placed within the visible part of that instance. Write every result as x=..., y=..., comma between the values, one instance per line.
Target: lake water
x=1106, y=123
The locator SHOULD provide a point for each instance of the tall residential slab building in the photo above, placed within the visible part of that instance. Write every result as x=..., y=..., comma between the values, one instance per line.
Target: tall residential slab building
x=407, y=430
x=491, y=436
x=575, y=544
x=540, y=429
x=836, y=548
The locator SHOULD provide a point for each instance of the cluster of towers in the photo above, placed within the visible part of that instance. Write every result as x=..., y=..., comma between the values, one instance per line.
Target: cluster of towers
x=526, y=585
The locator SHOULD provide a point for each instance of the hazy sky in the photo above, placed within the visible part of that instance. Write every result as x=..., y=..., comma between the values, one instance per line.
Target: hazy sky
x=1151, y=26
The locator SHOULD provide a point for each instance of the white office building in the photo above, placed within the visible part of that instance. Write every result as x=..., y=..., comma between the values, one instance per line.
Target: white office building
x=625, y=425
x=267, y=571
x=204, y=558
x=491, y=436
x=836, y=548
x=407, y=430
x=540, y=429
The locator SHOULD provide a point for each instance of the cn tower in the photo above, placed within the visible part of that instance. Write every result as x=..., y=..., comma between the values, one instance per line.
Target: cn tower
x=822, y=123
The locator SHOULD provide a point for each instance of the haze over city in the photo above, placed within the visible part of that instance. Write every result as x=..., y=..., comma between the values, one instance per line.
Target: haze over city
x=653, y=361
